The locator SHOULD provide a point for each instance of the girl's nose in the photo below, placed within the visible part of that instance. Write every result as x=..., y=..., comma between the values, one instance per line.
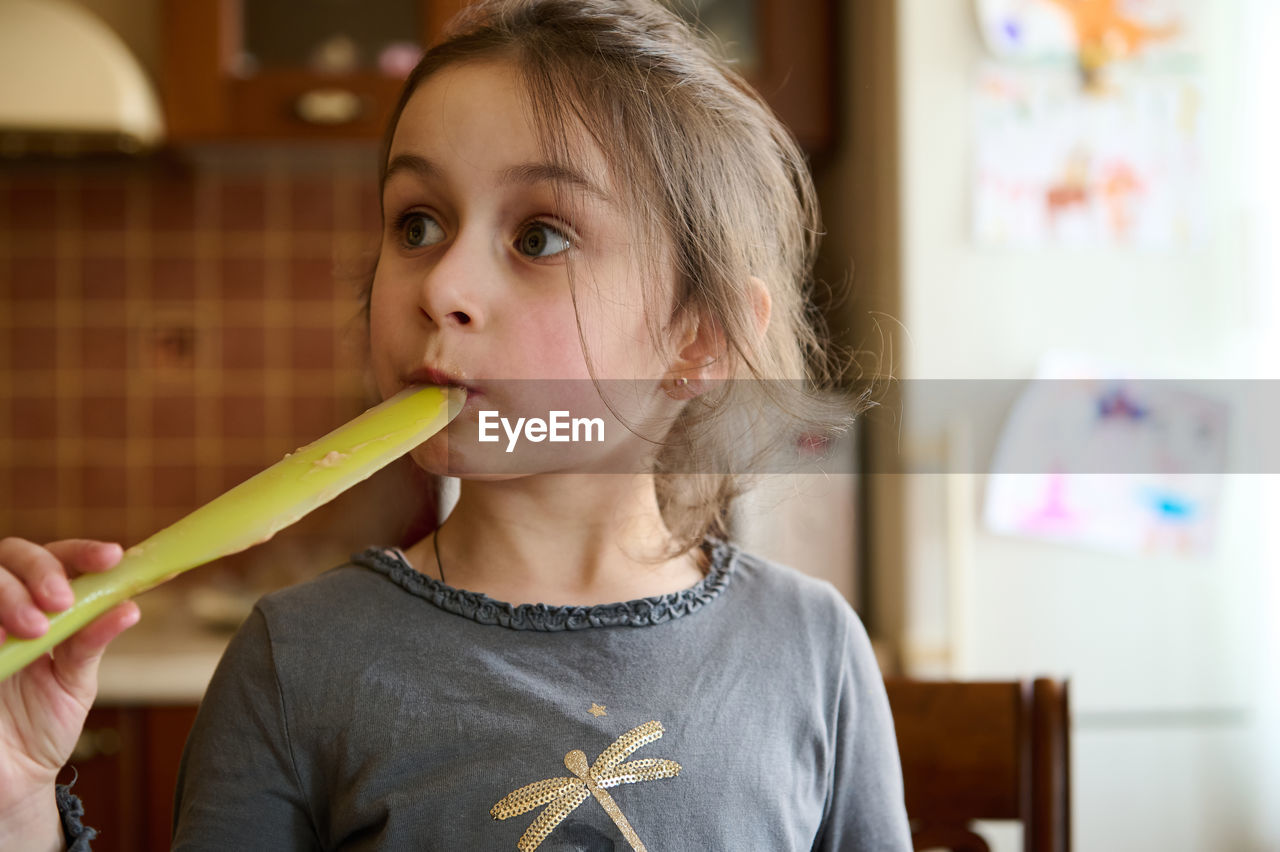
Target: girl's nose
x=456, y=317
x=452, y=289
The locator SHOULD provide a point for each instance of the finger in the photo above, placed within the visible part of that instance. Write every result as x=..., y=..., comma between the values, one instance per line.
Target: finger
x=40, y=570
x=18, y=613
x=86, y=556
x=76, y=660
x=78, y=556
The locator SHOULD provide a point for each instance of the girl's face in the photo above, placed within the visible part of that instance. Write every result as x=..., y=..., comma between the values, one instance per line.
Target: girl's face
x=472, y=285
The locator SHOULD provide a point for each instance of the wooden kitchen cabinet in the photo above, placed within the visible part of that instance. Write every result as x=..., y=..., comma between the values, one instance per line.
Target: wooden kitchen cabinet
x=786, y=49
x=297, y=69
x=289, y=69
x=126, y=768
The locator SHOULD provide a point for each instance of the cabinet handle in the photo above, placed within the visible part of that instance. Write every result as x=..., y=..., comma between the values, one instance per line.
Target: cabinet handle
x=100, y=742
x=329, y=106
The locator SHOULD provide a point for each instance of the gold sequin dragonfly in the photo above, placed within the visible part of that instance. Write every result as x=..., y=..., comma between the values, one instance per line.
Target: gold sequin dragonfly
x=562, y=795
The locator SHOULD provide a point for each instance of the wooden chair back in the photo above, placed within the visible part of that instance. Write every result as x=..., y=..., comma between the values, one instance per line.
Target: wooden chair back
x=991, y=750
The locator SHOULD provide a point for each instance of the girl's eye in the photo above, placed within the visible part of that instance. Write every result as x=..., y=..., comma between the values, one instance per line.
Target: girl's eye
x=420, y=230
x=538, y=239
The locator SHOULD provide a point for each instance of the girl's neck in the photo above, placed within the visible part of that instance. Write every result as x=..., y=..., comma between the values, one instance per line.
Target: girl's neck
x=569, y=539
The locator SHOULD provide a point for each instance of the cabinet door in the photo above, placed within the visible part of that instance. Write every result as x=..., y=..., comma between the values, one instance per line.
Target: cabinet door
x=785, y=49
x=107, y=768
x=307, y=69
x=290, y=69
x=126, y=769
x=166, y=730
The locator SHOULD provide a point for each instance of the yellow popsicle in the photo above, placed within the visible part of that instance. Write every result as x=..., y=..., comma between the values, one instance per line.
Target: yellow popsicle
x=253, y=511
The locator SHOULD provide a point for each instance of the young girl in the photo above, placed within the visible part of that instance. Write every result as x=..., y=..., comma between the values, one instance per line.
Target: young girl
x=584, y=210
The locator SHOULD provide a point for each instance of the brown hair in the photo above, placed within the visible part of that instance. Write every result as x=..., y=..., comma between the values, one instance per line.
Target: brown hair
x=724, y=184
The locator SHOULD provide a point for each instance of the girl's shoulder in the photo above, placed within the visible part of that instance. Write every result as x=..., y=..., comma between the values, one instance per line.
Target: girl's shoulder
x=346, y=602
x=789, y=593
x=347, y=584
x=809, y=625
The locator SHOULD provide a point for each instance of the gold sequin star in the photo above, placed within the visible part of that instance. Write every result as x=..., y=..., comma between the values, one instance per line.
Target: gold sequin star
x=597, y=710
x=562, y=795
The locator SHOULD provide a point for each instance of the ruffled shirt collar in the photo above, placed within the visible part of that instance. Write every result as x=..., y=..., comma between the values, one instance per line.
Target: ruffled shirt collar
x=642, y=612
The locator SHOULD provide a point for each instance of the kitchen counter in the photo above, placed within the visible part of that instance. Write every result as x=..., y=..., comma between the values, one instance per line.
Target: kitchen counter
x=169, y=656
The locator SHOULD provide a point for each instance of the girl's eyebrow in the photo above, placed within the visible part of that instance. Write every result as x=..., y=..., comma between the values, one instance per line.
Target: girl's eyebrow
x=420, y=167
x=535, y=173
x=524, y=174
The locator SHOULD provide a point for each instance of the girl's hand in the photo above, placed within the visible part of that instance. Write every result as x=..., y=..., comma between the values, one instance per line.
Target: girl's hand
x=43, y=707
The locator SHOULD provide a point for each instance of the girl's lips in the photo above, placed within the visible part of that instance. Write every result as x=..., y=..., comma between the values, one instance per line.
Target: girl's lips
x=432, y=376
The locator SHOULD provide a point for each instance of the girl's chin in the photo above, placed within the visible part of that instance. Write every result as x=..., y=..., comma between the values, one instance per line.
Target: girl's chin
x=441, y=460
x=457, y=452
x=486, y=465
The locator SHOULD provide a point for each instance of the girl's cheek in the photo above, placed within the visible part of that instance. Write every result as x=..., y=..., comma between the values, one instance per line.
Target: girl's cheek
x=557, y=350
x=385, y=298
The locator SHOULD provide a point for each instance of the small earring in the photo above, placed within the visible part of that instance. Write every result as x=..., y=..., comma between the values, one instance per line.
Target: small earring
x=681, y=382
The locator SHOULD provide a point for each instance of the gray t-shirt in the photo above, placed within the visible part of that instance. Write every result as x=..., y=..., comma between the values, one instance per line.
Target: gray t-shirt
x=377, y=708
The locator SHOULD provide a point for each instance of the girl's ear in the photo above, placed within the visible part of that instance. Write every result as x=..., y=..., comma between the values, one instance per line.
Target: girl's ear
x=701, y=356
x=762, y=302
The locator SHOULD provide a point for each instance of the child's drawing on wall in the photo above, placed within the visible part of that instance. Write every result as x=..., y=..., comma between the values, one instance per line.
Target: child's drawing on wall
x=1088, y=124
x=1124, y=465
x=1053, y=166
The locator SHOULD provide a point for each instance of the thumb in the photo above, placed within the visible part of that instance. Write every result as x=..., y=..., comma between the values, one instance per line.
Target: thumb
x=75, y=661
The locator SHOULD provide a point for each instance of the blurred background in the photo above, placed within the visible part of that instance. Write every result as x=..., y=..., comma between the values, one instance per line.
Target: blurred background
x=1019, y=195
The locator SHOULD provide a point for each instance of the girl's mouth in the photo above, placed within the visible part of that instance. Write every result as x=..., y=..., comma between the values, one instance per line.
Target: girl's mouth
x=441, y=378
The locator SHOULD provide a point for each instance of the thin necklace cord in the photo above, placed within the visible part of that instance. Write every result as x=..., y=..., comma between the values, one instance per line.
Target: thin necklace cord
x=435, y=544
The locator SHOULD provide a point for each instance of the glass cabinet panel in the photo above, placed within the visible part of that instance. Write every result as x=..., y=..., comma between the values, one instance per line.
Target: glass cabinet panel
x=733, y=23
x=285, y=69
x=330, y=36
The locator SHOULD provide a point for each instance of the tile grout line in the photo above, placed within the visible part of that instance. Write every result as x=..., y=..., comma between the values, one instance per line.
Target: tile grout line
x=241, y=452
x=6, y=367
x=311, y=382
x=345, y=220
x=68, y=513
x=207, y=380
x=139, y=282
x=278, y=345
x=341, y=218
x=110, y=313
x=23, y=518
x=266, y=242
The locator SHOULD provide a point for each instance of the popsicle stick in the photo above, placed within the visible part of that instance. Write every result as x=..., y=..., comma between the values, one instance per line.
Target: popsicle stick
x=253, y=511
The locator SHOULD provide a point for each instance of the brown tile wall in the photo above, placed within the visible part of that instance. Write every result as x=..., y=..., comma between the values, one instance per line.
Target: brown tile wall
x=168, y=327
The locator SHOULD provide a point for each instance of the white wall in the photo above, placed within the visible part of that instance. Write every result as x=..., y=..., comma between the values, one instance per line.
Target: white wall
x=1161, y=650
x=1259, y=129
x=988, y=313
